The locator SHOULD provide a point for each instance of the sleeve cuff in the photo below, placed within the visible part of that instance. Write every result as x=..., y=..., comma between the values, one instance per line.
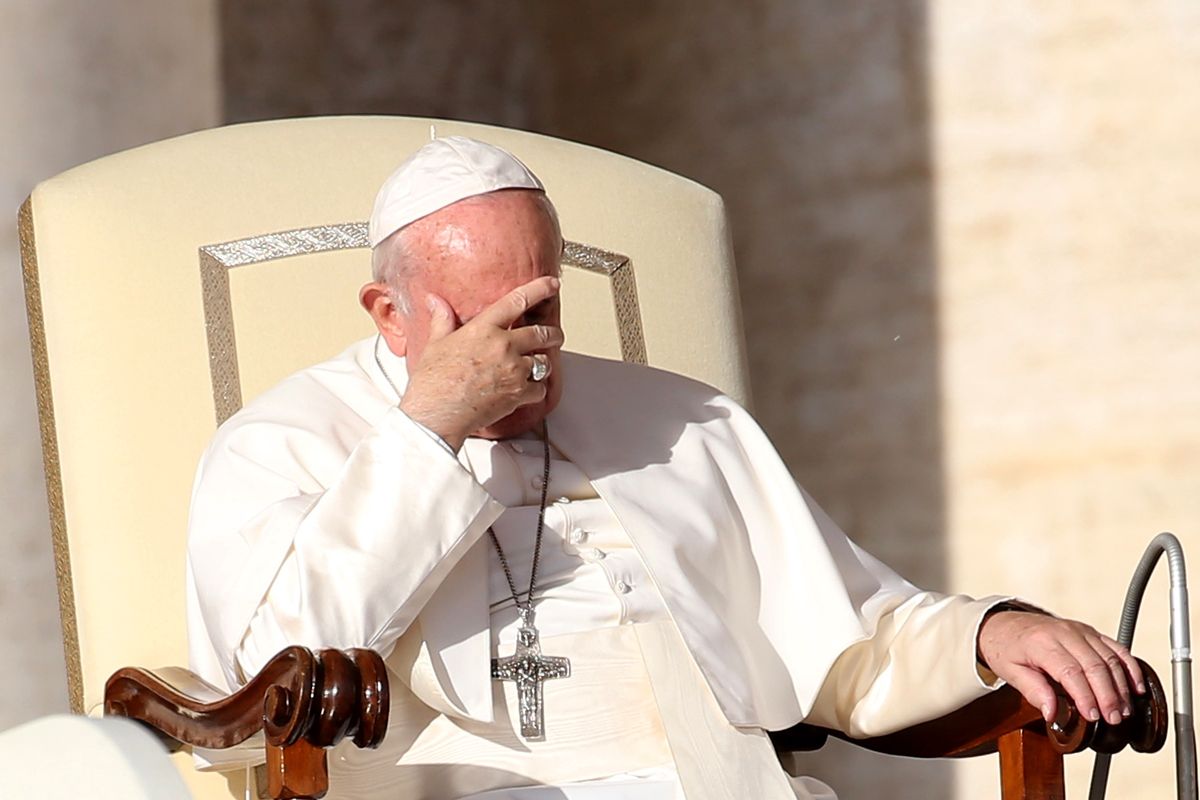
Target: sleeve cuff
x=428, y=432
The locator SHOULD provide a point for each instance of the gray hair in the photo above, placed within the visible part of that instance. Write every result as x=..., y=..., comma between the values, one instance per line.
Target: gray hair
x=393, y=260
x=392, y=265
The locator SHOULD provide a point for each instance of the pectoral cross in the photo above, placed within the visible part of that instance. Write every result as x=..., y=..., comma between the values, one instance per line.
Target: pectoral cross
x=529, y=669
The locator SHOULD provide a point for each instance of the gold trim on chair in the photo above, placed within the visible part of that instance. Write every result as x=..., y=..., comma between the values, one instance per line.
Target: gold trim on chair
x=217, y=259
x=50, y=458
x=222, y=346
x=297, y=242
x=619, y=269
x=215, y=262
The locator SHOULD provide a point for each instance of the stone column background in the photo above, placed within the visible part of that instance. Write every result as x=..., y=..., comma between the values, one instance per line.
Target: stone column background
x=964, y=236
x=1067, y=200
x=78, y=80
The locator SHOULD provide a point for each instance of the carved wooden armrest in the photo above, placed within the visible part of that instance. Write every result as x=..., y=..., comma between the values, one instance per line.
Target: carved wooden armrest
x=302, y=701
x=1031, y=749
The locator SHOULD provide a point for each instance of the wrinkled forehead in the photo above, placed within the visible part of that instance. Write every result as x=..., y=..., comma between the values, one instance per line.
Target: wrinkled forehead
x=477, y=250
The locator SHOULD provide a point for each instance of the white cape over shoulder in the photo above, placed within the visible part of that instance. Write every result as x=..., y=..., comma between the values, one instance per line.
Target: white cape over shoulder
x=764, y=588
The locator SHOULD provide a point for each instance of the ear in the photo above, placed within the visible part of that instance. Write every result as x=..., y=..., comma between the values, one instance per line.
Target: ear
x=375, y=298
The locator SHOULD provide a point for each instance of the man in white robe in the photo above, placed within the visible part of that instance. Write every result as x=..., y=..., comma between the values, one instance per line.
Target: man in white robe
x=701, y=597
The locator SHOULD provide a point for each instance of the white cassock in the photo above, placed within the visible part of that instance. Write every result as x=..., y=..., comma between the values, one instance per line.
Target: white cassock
x=701, y=596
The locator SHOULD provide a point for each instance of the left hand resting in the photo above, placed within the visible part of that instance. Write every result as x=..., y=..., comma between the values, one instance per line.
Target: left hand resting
x=1025, y=648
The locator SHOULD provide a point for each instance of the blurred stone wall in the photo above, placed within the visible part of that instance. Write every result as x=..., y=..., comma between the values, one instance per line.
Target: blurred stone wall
x=78, y=80
x=1068, y=192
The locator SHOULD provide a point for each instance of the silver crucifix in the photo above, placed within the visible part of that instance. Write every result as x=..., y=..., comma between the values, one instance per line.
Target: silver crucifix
x=530, y=669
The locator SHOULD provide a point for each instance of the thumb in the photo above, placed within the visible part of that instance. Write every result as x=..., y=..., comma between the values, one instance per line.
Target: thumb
x=442, y=320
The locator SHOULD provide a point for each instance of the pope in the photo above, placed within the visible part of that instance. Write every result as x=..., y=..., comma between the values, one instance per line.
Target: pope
x=589, y=579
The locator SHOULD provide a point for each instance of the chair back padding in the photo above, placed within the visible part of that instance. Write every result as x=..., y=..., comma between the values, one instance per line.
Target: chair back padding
x=129, y=332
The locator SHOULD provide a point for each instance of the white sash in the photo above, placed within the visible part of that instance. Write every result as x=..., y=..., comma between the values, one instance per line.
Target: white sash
x=715, y=760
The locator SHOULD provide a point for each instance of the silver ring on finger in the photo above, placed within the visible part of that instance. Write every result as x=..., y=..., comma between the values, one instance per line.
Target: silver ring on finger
x=540, y=368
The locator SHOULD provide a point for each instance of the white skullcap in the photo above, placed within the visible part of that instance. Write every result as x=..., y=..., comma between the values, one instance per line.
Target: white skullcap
x=440, y=173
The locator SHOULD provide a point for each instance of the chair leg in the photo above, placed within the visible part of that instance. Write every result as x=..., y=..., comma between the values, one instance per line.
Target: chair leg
x=297, y=772
x=1030, y=767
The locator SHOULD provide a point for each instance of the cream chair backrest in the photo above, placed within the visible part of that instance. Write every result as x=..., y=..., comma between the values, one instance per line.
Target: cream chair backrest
x=160, y=298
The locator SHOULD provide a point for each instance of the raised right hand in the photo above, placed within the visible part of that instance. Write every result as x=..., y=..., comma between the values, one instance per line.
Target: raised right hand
x=469, y=377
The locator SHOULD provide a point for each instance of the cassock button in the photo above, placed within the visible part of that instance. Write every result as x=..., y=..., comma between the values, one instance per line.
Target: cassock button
x=592, y=554
x=623, y=587
x=577, y=536
x=517, y=447
x=536, y=481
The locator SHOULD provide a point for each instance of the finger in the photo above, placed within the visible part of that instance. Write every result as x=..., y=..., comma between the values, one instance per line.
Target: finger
x=1076, y=677
x=1132, y=667
x=1036, y=690
x=1116, y=666
x=508, y=309
x=1098, y=671
x=1116, y=669
x=442, y=319
x=536, y=337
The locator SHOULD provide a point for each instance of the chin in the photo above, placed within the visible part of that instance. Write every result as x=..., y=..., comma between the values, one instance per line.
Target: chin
x=523, y=420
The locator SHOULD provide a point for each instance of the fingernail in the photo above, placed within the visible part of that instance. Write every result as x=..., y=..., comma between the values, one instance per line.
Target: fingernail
x=1046, y=713
x=1093, y=714
x=1126, y=711
x=1141, y=688
x=1114, y=718
x=430, y=303
x=555, y=283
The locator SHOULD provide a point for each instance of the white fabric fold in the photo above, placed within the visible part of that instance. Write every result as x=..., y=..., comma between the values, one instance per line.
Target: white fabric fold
x=715, y=760
x=431, y=756
x=766, y=590
x=456, y=634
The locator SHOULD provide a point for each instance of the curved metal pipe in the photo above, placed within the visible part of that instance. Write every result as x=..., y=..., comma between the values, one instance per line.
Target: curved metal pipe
x=1181, y=662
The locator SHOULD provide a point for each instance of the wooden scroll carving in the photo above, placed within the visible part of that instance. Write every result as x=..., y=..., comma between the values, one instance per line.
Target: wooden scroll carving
x=1031, y=750
x=302, y=701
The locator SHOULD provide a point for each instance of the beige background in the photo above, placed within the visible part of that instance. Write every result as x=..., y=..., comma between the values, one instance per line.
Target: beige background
x=965, y=233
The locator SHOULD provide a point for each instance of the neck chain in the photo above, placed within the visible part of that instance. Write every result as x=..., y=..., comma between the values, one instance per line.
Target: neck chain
x=525, y=610
x=527, y=667
x=379, y=363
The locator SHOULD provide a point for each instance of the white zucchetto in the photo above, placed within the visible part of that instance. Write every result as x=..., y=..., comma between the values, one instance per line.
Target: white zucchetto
x=440, y=173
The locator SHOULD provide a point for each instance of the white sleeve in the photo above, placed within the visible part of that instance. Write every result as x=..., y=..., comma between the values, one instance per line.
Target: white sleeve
x=920, y=664
x=278, y=560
